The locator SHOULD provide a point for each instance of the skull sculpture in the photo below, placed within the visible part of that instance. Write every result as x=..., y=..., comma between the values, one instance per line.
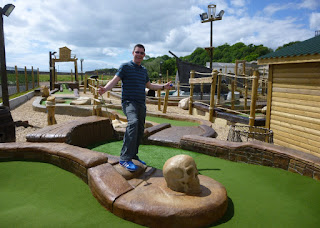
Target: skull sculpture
x=181, y=174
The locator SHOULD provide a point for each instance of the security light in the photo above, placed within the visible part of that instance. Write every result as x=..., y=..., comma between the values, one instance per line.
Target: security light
x=210, y=17
x=204, y=16
x=220, y=14
x=7, y=9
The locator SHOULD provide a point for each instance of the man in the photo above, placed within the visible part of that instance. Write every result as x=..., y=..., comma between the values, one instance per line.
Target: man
x=134, y=81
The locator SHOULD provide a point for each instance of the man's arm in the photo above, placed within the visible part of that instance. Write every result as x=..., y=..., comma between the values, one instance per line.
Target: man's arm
x=109, y=85
x=152, y=86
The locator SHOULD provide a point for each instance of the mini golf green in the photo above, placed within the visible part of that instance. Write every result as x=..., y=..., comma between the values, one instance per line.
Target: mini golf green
x=164, y=120
x=42, y=195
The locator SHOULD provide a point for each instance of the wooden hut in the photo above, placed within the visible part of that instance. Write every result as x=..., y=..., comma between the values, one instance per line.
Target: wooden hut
x=293, y=108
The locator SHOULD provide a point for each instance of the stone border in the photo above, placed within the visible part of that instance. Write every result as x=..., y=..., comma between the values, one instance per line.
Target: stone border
x=258, y=153
x=71, y=158
x=16, y=102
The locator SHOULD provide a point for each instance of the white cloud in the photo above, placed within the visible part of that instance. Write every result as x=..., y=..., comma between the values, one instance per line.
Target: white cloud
x=315, y=21
x=103, y=32
x=273, y=8
x=238, y=3
x=309, y=4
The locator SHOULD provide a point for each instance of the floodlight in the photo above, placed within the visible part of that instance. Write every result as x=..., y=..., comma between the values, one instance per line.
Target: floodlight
x=7, y=9
x=204, y=16
x=220, y=14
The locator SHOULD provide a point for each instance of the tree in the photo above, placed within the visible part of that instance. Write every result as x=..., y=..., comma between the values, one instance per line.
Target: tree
x=223, y=53
x=287, y=45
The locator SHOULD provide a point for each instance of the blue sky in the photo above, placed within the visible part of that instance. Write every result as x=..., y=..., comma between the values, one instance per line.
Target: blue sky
x=103, y=33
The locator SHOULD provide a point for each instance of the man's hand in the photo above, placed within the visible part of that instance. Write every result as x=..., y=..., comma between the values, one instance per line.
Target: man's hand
x=168, y=85
x=101, y=90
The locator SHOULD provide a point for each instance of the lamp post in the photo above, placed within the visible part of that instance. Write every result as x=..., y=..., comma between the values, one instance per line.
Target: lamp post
x=51, y=68
x=81, y=60
x=210, y=17
x=6, y=10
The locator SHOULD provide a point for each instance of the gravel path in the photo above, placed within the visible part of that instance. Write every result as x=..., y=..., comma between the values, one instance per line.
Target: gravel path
x=39, y=119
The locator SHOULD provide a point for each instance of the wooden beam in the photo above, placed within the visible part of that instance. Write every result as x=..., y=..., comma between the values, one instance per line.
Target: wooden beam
x=297, y=112
x=305, y=87
x=295, y=127
x=303, y=97
x=297, y=101
x=297, y=91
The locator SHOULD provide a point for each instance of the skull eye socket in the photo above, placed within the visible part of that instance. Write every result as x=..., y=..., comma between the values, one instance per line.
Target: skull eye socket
x=189, y=171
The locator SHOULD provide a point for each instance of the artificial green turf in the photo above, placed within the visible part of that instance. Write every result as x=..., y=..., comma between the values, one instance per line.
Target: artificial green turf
x=42, y=195
x=258, y=196
x=37, y=195
x=164, y=120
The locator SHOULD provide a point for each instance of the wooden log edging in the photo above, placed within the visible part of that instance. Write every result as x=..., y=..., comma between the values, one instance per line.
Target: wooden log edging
x=258, y=153
x=70, y=158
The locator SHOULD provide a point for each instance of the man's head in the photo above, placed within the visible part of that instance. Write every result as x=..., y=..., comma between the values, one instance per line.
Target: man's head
x=138, y=53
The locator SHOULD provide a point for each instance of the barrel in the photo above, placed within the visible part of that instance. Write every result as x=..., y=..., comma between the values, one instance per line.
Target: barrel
x=7, y=126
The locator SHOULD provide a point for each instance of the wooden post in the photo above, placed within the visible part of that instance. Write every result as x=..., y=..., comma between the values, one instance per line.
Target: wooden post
x=254, y=98
x=85, y=84
x=245, y=94
x=232, y=93
x=165, y=105
x=192, y=74
x=32, y=73
x=26, y=78
x=38, y=77
x=213, y=92
x=55, y=77
x=159, y=97
x=167, y=76
x=71, y=76
x=51, y=105
x=95, y=96
x=17, y=79
x=219, y=76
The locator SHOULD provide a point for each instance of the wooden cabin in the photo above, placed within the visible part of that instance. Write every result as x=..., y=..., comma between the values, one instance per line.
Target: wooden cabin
x=293, y=107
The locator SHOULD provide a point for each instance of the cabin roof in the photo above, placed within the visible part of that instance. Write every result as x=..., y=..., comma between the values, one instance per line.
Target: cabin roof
x=307, y=47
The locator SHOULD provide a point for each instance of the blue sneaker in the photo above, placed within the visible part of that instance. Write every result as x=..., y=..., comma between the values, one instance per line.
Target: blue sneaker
x=129, y=165
x=142, y=162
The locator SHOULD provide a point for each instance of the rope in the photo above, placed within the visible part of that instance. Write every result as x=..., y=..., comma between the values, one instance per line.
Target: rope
x=238, y=76
x=203, y=73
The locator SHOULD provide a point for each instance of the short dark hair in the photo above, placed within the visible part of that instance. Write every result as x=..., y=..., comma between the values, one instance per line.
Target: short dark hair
x=139, y=46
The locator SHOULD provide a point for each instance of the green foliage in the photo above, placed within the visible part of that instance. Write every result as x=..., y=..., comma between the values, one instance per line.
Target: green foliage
x=288, y=44
x=224, y=53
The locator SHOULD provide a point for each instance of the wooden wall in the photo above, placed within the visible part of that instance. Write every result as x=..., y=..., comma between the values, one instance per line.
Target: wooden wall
x=294, y=106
